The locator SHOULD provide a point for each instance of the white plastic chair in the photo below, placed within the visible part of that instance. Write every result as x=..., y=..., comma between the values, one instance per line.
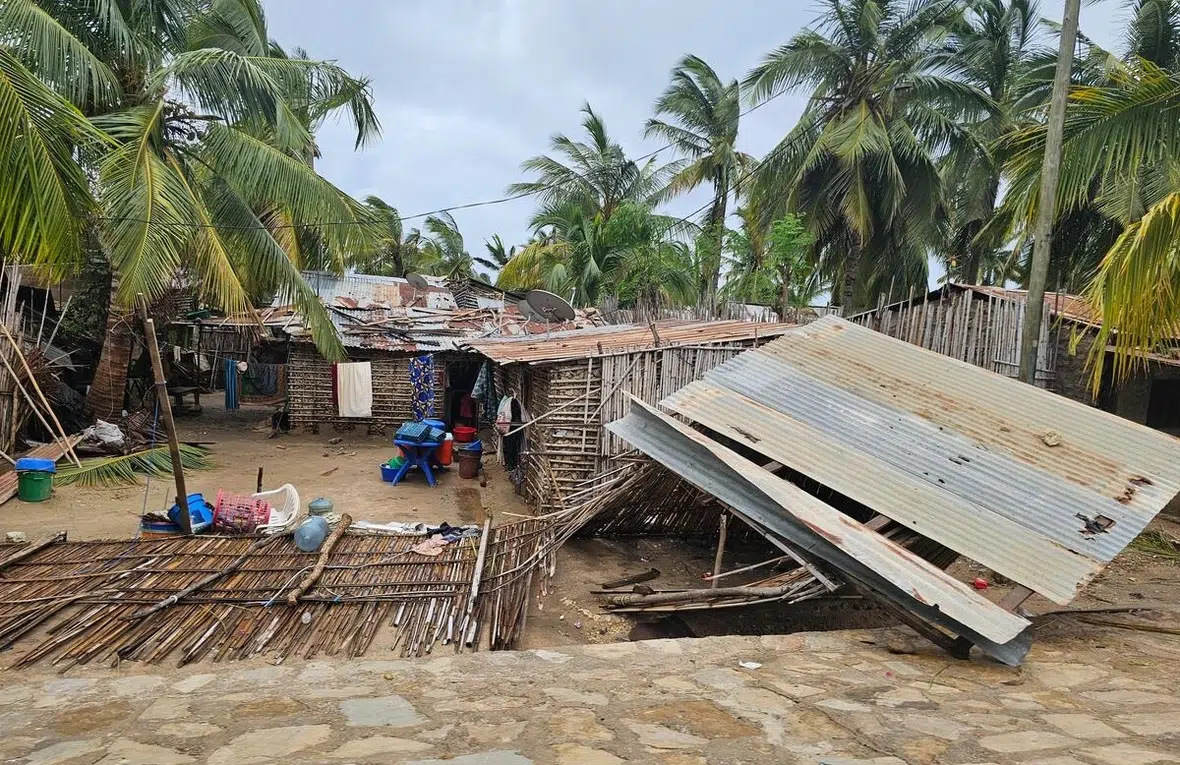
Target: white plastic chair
x=286, y=512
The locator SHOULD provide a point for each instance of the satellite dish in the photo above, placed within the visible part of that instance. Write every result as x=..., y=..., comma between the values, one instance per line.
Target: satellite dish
x=417, y=281
x=548, y=306
x=526, y=310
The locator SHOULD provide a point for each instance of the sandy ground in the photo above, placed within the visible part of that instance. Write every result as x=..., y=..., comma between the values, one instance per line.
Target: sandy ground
x=347, y=472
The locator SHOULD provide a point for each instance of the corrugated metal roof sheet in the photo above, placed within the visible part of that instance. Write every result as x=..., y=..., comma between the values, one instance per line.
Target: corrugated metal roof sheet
x=388, y=313
x=1003, y=473
x=955, y=452
x=822, y=532
x=621, y=338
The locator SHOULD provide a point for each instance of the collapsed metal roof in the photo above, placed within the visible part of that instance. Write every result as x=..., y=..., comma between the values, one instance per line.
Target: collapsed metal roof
x=1039, y=488
x=389, y=313
x=621, y=338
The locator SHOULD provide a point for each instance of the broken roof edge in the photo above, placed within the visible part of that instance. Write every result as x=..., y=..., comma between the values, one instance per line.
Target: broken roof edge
x=824, y=532
x=622, y=339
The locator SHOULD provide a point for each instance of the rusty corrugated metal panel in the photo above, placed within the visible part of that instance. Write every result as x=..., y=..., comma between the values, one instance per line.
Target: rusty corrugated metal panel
x=621, y=338
x=900, y=428
x=825, y=533
x=389, y=314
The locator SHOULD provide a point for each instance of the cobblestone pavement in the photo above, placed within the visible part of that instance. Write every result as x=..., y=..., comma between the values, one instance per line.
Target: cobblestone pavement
x=1092, y=697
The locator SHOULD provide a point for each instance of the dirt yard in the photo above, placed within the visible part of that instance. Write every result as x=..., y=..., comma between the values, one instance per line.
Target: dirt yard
x=347, y=472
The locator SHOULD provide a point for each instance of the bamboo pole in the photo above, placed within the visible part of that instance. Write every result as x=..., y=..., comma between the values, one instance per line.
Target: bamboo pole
x=325, y=552
x=66, y=448
x=717, y=559
x=32, y=549
x=232, y=567
x=49, y=409
x=165, y=404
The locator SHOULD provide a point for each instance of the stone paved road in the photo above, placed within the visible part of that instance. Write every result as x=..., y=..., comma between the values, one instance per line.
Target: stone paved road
x=1093, y=698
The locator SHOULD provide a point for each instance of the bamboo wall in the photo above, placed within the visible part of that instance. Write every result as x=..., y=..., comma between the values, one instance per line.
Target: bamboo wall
x=577, y=398
x=309, y=386
x=981, y=329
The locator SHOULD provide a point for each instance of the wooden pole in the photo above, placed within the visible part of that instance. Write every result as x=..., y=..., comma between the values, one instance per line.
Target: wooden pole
x=720, y=550
x=44, y=401
x=149, y=334
x=60, y=317
x=325, y=552
x=259, y=485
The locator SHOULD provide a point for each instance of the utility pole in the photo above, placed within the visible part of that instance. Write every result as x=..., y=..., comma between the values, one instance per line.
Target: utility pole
x=1034, y=309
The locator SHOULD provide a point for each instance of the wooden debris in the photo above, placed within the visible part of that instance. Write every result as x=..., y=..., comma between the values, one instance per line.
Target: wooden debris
x=325, y=552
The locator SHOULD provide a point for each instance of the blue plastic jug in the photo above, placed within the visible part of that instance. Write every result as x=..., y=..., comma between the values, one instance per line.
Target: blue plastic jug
x=311, y=533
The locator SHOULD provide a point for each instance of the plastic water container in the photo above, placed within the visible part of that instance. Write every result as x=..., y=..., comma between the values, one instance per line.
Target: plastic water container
x=35, y=478
x=320, y=506
x=311, y=533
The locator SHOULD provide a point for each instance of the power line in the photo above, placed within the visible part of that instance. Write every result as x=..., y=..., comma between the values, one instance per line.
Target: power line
x=401, y=218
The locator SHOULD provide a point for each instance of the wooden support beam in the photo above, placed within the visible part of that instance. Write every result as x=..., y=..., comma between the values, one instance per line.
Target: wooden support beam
x=165, y=404
x=723, y=534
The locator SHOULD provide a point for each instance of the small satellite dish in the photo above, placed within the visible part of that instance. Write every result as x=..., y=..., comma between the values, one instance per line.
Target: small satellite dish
x=526, y=310
x=548, y=306
x=417, y=281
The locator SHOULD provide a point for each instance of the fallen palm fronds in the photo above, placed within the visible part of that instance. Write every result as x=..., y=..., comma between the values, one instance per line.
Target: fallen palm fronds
x=126, y=469
x=1158, y=543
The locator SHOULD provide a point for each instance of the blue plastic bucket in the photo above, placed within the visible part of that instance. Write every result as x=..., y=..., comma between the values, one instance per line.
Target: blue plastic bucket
x=387, y=473
x=474, y=446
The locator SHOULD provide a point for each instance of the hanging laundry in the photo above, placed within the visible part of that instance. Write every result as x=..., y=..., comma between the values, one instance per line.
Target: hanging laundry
x=422, y=383
x=504, y=415
x=231, y=384
x=354, y=389
x=484, y=391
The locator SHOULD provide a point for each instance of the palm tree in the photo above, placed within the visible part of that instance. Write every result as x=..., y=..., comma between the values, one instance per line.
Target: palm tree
x=398, y=251
x=991, y=47
x=201, y=178
x=498, y=256
x=442, y=251
x=704, y=113
x=860, y=165
x=597, y=175
x=586, y=257
x=1121, y=156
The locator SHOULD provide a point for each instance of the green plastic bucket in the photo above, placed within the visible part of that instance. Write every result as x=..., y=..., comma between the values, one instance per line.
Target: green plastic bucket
x=34, y=486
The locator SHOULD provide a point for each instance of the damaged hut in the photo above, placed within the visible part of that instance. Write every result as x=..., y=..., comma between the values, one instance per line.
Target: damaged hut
x=404, y=349
x=872, y=464
x=565, y=386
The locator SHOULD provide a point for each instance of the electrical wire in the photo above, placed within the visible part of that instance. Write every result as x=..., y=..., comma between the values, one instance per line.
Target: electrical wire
x=401, y=218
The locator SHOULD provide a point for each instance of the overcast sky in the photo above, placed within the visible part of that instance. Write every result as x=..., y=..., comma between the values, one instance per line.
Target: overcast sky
x=467, y=89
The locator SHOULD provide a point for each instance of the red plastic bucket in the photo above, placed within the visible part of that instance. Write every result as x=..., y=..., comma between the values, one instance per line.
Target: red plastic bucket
x=445, y=454
x=465, y=434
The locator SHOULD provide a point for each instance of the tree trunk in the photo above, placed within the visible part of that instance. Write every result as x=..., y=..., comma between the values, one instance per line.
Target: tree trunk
x=711, y=271
x=107, y=391
x=1034, y=309
x=785, y=294
x=851, y=269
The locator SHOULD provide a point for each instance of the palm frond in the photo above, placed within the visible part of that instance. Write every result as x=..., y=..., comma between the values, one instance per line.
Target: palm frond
x=55, y=54
x=127, y=469
x=44, y=191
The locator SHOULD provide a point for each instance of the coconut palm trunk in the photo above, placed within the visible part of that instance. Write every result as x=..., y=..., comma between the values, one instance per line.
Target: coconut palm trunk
x=851, y=269
x=711, y=271
x=104, y=400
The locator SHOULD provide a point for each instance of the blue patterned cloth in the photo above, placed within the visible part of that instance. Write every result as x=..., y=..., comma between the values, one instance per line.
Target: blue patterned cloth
x=422, y=383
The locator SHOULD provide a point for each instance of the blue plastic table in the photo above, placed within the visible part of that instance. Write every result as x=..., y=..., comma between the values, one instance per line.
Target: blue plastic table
x=417, y=454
